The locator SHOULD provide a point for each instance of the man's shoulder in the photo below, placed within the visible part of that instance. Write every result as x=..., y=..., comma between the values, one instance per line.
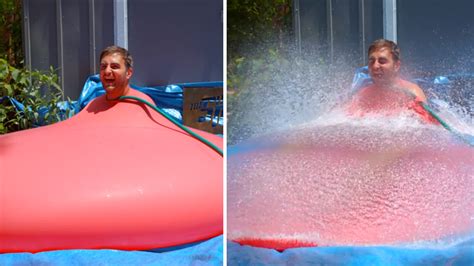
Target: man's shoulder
x=409, y=84
x=366, y=89
x=414, y=88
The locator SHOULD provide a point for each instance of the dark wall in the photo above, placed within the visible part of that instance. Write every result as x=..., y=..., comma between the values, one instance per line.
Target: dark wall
x=347, y=32
x=104, y=28
x=373, y=24
x=43, y=34
x=176, y=41
x=314, y=28
x=351, y=25
x=76, y=31
x=436, y=36
x=171, y=40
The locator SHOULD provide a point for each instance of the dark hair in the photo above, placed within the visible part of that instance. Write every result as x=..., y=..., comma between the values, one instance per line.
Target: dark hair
x=383, y=43
x=122, y=51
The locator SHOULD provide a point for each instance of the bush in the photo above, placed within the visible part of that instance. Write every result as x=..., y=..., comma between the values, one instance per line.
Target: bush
x=259, y=42
x=10, y=31
x=38, y=92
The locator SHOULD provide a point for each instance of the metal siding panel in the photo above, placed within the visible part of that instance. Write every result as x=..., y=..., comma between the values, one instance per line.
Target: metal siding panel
x=176, y=41
x=436, y=36
x=314, y=28
x=104, y=27
x=346, y=33
x=43, y=34
x=76, y=46
x=373, y=23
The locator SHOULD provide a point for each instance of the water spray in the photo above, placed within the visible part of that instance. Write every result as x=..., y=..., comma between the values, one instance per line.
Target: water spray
x=443, y=123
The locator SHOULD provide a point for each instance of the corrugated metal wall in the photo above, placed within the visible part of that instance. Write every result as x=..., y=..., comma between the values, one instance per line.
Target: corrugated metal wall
x=176, y=41
x=435, y=36
x=170, y=40
x=339, y=31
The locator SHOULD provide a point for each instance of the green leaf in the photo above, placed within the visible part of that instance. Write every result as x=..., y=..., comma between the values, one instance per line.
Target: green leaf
x=9, y=89
x=34, y=89
x=15, y=73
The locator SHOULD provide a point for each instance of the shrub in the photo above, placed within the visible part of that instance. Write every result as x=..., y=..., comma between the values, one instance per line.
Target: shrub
x=38, y=92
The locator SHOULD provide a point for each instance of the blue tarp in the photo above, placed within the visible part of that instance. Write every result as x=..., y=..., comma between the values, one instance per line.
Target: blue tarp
x=169, y=98
x=461, y=254
x=205, y=253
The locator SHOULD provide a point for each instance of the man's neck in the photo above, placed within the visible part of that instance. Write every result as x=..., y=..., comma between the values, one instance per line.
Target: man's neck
x=118, y=94
x=389, y=84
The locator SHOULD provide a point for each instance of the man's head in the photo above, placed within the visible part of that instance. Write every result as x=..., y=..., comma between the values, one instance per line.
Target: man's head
x=115, y=71
x=384, y=62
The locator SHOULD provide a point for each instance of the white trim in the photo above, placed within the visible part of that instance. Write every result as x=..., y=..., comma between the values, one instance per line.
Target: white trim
x=26, y=33
x=390, y=20
x=60, y=41
x=297, y=24
x=121, y=23
x=330, y=30
x=362, y=30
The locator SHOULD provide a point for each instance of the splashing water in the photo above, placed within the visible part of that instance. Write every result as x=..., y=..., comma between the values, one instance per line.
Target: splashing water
x=297, y=92
x=339, y=180
x=379, y=181
x=457, y=117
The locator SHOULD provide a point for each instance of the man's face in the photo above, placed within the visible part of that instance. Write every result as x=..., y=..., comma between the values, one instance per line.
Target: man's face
x=114, y=75
x=382, y=68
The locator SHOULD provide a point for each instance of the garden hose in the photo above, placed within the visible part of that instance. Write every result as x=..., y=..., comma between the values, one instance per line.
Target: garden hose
x=435, y=116
x=170, y=118
x=445, y=125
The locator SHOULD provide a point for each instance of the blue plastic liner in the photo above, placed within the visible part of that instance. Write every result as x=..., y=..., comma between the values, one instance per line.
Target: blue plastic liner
x=461, y=254
x=42, y=111
x=169, y=98
x=205, y=253
x=361, y=79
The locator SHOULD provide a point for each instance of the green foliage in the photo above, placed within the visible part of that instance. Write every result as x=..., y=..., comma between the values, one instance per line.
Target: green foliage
x=37, y=91
x=251, y=22
x=10, y=32
x=258, y=37
x=243, y=71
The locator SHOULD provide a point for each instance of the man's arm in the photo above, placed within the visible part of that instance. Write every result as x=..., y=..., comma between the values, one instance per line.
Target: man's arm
x=420, y=100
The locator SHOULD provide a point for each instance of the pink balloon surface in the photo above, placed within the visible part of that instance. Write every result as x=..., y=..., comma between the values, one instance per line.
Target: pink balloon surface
x=345, y=184
x=116, y=175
